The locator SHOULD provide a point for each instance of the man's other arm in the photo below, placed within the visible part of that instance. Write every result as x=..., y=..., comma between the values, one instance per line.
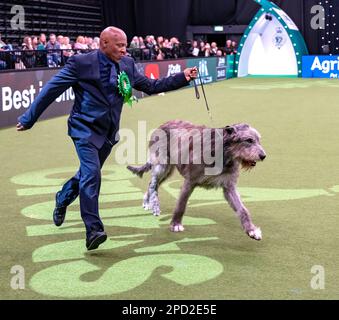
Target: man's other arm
x=64, y=79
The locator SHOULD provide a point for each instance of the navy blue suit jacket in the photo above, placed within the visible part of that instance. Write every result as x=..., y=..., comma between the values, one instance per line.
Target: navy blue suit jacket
x=94, y=115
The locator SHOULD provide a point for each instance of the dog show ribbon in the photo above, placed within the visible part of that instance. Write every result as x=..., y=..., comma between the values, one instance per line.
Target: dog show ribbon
x=125, y=88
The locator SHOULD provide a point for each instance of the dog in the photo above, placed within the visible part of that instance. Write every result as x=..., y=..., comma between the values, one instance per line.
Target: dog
x=184, y=145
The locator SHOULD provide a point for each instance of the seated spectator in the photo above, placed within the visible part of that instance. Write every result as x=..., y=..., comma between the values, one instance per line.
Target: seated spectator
x=202, y=49
x=28, y=57
x=175, y=44
x=207, y=50
x=141, y=43
x=234, y=46
x=41, y=56
x=7, y=58
x=214, y=49
x=80, y=44
x=194, y=50
x=229, y=50
x=136, y=48
x=35, y=42
x=89, y=42
x=42, y=42
x=60, y=39
x=53, y=54
x=96, y=43
x=4, y=46
x=66, y=49
x=3, y=64
x=150, y=45
x=166, y=49
x=134, y=43
x=160, y=41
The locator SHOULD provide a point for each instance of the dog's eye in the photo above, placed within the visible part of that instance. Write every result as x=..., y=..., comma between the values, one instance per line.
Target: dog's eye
x=249, y=140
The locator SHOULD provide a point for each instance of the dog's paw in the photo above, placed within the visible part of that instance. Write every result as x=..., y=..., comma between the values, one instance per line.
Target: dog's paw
x=177, y=227
x=156, y=211
x=255, y=234
x=146, y=206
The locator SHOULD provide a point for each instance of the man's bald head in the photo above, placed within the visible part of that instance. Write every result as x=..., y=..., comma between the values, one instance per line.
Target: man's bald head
x=110, y=32
x=113, y=43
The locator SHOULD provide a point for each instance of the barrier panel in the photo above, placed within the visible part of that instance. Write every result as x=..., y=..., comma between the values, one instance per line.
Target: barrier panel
x=19, y=89
x=320, y=67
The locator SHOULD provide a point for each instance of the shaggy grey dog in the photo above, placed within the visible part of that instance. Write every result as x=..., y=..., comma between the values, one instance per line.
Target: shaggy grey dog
x=205, y=157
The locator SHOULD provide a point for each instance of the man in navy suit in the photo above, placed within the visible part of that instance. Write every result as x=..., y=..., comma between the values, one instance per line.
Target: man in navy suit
x=94, y=120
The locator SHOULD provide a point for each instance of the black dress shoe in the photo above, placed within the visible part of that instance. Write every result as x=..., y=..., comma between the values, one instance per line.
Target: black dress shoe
x=96, y=239
x=59, y=212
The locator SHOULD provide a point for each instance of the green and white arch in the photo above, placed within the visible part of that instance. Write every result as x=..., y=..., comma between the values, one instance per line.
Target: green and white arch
x=270, y=47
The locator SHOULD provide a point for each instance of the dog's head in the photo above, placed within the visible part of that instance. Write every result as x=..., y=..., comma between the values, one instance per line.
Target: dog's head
x=242, y=144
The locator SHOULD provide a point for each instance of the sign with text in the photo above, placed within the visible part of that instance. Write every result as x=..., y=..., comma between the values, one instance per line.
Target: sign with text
x=207, y=68
x=320, y=67
x=18, y=91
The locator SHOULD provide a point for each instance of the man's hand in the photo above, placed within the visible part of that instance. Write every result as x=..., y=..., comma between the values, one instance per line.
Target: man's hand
x=20, y=127
x=191, y=73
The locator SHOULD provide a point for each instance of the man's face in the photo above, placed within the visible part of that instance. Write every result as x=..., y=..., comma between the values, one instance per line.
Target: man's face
x=114, y=46
x=52, y=39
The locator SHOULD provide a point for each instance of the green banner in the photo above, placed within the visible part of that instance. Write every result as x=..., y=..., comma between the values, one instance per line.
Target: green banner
x=207, y=68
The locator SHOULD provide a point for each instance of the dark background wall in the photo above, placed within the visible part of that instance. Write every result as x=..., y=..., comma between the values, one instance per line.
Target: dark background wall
x=170, y=17
x=160, y=17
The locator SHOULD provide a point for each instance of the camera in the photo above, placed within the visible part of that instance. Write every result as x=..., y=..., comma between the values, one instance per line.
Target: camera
x=268, y=16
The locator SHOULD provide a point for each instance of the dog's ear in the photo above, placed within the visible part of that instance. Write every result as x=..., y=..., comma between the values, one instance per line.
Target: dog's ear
x=230, y=130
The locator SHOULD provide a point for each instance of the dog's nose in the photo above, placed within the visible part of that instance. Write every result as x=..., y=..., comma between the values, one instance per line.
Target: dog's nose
x=262, y=157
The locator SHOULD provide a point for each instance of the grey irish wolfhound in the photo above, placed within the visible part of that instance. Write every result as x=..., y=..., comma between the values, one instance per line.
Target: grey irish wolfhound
x=194, y=150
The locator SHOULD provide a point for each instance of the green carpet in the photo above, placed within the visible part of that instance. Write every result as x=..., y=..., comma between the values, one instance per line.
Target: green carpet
x=293, y=196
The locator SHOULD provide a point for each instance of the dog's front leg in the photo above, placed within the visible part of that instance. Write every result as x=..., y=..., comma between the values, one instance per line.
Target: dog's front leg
x=233, y=198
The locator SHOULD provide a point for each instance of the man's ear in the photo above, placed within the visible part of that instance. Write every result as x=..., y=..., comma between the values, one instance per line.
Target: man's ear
x=230, y=130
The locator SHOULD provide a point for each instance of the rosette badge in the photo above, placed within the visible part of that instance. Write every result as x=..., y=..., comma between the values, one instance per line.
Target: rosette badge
x=125, y=88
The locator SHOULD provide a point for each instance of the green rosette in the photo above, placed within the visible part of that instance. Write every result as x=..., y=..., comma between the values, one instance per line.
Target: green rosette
x=125, y=88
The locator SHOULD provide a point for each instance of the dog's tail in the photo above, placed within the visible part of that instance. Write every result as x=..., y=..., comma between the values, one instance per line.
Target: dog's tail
x=139, y=171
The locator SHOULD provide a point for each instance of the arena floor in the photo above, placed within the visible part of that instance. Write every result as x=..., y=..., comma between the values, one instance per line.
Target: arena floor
x=293, y=196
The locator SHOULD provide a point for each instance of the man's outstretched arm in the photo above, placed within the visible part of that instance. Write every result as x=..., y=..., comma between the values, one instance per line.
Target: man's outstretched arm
x=64, y=79
x=152, y=86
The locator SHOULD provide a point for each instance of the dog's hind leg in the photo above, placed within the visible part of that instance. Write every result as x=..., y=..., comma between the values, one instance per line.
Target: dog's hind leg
x=186, y=190
x=151, y=199
x=234, y=200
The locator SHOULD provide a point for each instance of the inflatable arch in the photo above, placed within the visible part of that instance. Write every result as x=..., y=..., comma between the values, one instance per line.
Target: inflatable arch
x=272, y=45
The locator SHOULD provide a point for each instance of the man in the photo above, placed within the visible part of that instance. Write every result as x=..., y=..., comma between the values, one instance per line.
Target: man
x=53, y=48
x=2, y=44
x=5, y=59
x=94, y=120
x=229, y=50
x=42, y=42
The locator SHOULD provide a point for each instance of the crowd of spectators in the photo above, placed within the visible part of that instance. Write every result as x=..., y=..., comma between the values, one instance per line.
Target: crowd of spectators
x=37, y=51
x=205, y=49
x=163, y=48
